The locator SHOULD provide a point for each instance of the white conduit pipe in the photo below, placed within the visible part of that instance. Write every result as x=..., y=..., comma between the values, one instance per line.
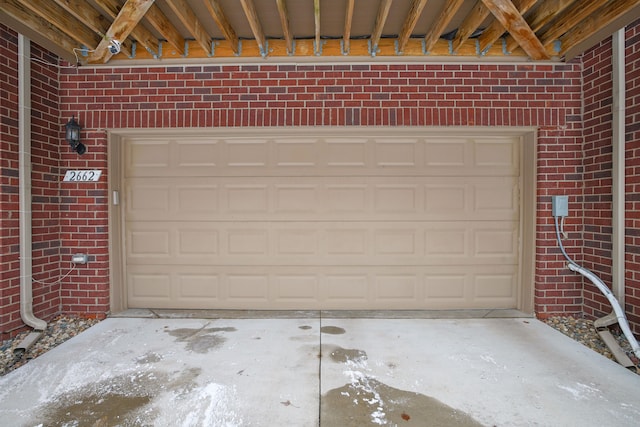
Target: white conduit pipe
x=622, y=318
x=24, y=184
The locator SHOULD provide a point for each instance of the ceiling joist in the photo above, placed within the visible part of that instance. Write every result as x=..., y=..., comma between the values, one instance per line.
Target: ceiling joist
x=284, y=21
x=208, y=30
x=540, y=17
x=512, y=20
x=410, y=23
x=254, y=22
x=131, y=13
x=187, y=16
x=446, y=15
x=381, y=18
x=223, y=23
x=495, y=30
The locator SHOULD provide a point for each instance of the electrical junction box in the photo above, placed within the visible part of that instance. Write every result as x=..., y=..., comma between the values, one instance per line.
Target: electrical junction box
x=80, y=258
x=560, y=205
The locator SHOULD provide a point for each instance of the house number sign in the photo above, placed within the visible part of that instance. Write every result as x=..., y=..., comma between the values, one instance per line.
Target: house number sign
x=82, y=175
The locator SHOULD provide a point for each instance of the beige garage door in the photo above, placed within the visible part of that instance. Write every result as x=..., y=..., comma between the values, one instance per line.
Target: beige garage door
x=267, y=220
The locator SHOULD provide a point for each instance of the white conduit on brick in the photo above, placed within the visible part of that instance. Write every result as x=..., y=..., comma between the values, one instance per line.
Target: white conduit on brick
x=24, y=142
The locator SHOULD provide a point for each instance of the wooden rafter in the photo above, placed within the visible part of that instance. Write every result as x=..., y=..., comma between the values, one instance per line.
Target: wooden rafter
x=512, y=20
x=189, y=19
x=223, y=23
x=537, y=29
x=569, y=19
x=14, y=9
x=252, y=16
x=496, y=29
x=91, y=18
x=140, y=33
x=66, y=23
x=540, y=17
x=159, y=21
x=381, y=18
x=128, y=18
x=470, y=24
x=447, y=14
x=316, y=23
x=284, y=21
x=348, y=19
x=410, y=23
x=606, y=15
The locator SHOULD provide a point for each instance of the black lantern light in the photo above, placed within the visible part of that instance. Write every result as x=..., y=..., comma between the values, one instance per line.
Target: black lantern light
x=73, y=136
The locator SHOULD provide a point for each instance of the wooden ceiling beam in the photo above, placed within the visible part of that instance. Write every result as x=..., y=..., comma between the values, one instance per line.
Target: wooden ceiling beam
x=609, y=13
x=470, y=24
x=42, y=27
x=68, y=24
x=495, y=30
x=381, y=18
x=128, y=18
x=316, y=23
x=93, y=19
x=85, y=14
x=140, y=34
x=161, y=23
x=540, y=17
x=410, y=23
x=446, y=15
x=512, y=20
x=185, y=14
x=348, y=19
x=284, y=21
x=569, y=19
x=254, y=22
x=223, y=23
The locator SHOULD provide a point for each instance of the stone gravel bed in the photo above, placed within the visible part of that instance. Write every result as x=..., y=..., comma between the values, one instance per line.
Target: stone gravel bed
x=583, y=331
x=64, y=327
x=58, y=331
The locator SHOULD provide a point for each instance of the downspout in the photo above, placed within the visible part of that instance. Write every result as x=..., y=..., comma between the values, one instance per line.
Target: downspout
x=618, y=127
x=618, y=166
x=24, y=176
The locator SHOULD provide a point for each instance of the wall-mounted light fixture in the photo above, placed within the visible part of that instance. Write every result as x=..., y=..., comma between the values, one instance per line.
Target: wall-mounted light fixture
x=73, y=136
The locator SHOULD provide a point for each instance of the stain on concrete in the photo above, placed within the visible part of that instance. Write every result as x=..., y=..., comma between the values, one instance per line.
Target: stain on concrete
x=343, y=355
x=375, y=403
x=201, y=340
x=150, y=357
x=367, y=401
x=333, y=330
x=304, y=327
x=119, y=401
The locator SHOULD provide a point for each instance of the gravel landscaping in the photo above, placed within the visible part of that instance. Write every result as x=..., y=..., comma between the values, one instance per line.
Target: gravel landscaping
x=58, y=331
x=64, y=327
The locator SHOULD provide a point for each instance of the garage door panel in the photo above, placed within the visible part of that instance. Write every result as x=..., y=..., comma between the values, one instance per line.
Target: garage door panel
x=322, y=243
x=310, y=221
x=349, y=287
x=321, y=156
x=315, y=199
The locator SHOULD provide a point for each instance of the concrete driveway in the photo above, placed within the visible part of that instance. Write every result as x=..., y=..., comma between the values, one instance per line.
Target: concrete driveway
x=304, y=369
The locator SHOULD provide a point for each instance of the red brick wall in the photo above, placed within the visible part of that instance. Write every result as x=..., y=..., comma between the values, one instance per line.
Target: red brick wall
x=548, y=97
x=9, y=219
x=632, y=138
x=597, y=76
x=545, y=96
x=45, y=176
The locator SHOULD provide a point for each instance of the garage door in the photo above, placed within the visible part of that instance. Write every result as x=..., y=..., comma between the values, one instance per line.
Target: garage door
x=369, y=220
